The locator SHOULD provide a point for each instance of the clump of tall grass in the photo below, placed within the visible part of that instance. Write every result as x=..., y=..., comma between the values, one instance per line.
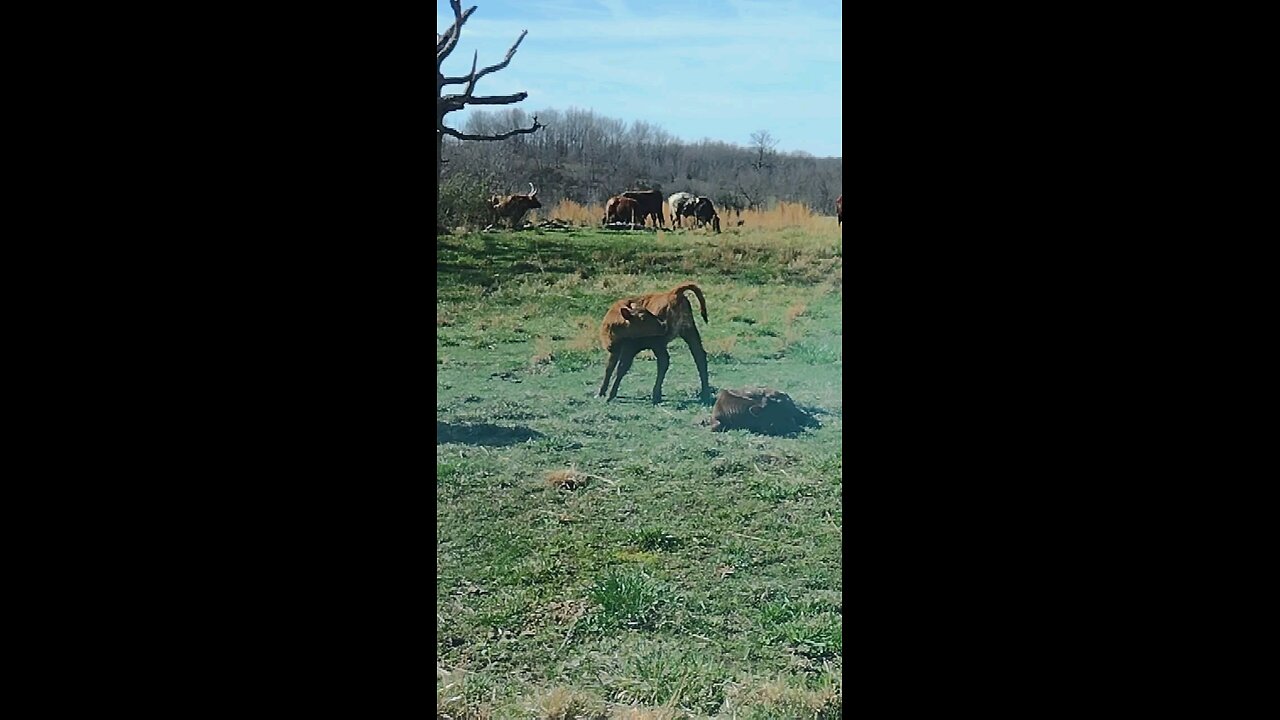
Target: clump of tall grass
x=571, y=212
x=781, y=215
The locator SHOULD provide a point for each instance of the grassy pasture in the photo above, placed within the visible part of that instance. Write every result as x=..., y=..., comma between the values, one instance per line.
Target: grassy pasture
x=608, y=560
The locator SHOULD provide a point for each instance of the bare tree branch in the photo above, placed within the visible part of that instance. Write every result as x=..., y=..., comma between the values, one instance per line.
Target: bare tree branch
x=485, y=99
x=445, y=104
x=492, y=68
x=518, y=131
x=447, y=42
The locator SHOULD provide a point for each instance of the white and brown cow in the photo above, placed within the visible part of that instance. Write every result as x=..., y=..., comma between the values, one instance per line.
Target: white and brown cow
x=678, y=201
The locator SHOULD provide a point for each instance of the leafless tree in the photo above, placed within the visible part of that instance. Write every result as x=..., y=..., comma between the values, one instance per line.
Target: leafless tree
x=446, y=104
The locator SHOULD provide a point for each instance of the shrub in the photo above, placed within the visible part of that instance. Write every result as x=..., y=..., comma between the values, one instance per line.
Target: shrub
x=464, y=202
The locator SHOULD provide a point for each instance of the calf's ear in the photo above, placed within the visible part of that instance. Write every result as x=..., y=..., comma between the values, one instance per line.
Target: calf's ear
x=628, y=313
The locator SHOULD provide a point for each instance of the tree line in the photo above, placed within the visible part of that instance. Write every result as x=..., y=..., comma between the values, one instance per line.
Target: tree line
x=585, y=157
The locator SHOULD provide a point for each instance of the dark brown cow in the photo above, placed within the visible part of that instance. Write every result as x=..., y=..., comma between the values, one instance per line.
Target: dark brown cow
x=513, y=207
x=622, y=209
x=760, y=410
x=650, y=202
x=840, y=210
x=674, y=309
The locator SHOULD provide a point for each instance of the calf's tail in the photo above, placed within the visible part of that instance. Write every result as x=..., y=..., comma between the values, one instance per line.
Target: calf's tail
x=702, y=301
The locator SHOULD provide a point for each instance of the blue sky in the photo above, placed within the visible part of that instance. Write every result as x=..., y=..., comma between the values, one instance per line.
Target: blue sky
x=718, y=69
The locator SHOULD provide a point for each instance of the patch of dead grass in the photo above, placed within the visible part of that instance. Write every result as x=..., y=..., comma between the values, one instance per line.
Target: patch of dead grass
x=562, y=703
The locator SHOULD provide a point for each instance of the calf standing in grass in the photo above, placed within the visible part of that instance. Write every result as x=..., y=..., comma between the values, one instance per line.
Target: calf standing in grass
x=623, y=336
x=761, y=410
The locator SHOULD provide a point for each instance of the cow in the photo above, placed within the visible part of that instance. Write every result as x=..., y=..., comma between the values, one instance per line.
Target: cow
x=674, y=310
x=650, y=202
x=761, y=410
x=513, y=207
x=622, y=209
x=840, y=210
x=677, y=203
x=704, y=211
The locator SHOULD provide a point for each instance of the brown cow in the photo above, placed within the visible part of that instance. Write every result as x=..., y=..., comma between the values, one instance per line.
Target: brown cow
x=760, y=410
x=840, y=210
x=513, y=207
x=650, y=202
x=674, y=309
x=622, y=209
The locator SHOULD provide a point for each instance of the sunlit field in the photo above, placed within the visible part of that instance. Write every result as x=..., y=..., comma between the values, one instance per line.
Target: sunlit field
x=617, y=559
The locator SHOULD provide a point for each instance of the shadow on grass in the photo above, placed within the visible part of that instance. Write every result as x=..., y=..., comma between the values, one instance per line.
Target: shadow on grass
x=476, y=260
x=483, y=434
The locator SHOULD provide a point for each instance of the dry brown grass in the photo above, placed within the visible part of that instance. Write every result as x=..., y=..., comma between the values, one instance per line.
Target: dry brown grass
x=783, y=215
x=637, y=712
x=451, y=701
x=796, y=311
x=787, y=699
x=588, y=335
x=563, y=703
x=568, y=479
x=571, y=212
x=721, y=346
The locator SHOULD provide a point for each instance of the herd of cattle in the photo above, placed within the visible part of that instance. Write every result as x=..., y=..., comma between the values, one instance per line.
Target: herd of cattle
x=641, y=206
x=651, y=322
x=632, y=206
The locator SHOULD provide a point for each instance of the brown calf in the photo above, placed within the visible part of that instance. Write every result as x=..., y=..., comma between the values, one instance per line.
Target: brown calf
x=513, y=207
x=622, y=209
x=761, y=410
x=673, y=309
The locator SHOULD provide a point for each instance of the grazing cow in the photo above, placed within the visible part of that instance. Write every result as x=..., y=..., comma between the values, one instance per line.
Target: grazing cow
x=840, y=210
x=622, y=209
x=677, y=203
x=704, y=211
x=513, y=207
x=760, y=410
x=674, y=310
x=650, y=202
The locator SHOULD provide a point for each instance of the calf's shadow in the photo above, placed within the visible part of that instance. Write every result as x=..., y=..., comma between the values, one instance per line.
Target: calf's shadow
x=483, y=434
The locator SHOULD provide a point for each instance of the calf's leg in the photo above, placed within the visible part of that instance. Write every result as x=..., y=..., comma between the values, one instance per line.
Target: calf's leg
x=664, y=361
x=700, y=359
x=627, y=354
x=608, y=371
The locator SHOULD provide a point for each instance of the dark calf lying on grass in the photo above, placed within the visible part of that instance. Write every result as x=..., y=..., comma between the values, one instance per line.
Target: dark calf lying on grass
x=761, y=410
x=624, y=336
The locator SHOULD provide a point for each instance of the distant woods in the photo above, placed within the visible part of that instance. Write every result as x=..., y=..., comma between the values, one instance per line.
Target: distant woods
x=587, y=158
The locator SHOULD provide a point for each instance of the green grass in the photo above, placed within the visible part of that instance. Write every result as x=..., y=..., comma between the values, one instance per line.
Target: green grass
x=596, y=559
